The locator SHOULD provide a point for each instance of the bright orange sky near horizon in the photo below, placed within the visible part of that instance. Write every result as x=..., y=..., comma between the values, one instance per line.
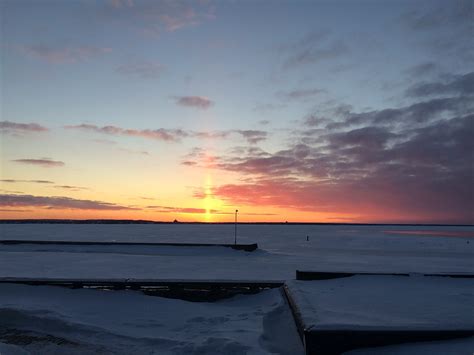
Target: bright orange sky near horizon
x=308, y=111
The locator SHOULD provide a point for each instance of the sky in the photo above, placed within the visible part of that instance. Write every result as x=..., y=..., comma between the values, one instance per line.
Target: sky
x=299, y=111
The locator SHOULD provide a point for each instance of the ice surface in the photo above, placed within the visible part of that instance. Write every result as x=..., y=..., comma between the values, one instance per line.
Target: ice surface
x=283, y=249
x=47, y=320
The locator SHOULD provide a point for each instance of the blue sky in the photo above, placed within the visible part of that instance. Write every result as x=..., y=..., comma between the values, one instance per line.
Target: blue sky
x=288, y=73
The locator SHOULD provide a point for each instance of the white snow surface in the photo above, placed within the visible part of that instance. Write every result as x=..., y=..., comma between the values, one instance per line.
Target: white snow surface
x=282, y=250
x=386, y=303
x=55, y=320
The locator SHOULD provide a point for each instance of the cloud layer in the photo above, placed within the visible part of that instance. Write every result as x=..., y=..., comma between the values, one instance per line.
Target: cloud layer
x=410, y=163
x=57, y=202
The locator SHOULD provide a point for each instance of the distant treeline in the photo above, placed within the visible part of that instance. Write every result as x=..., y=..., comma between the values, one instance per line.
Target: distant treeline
x=141, y=221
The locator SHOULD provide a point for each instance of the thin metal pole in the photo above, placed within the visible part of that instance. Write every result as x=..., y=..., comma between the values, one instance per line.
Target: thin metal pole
x=235, y=228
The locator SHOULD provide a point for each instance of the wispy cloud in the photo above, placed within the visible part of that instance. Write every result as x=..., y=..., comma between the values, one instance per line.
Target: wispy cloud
x=13, y=181
x=15, y=127
x=456, y=13
x=446, y=27
x=57, y=202
x=313, y=48
x=63, y=54
x=12, y=210
x=45, y=182
x=300, y=94
x=421, y=70
x=146, y=70
x=458, y=84
x=192, y=210
x=317, y=54
x=162, y=134
x=268, y=107
x=188, y=210
x=200, y=102
x=156, y=17
x=313, y=120
x=70, y=187
x=121, y=3
x=209, y=134
x=44, y=162
x=252, y=136
x=172, y=135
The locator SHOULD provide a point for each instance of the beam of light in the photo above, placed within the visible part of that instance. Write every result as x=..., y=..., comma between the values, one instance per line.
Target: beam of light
x=208, y=200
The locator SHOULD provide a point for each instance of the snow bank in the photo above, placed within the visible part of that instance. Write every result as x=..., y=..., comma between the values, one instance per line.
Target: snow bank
x=45, y=320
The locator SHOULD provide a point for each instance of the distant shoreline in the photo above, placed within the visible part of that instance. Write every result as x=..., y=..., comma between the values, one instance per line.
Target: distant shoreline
x=132, y=221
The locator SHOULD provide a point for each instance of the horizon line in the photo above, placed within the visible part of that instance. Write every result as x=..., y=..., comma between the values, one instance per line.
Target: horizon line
x=144, y=221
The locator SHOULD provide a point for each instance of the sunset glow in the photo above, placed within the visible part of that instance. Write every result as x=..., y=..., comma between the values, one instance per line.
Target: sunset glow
x=308, y=111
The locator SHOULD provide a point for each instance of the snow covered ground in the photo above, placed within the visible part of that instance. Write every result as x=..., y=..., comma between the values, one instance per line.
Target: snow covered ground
x=55, y=320
x=48, y=320
x=390, y=303
x=371, y=302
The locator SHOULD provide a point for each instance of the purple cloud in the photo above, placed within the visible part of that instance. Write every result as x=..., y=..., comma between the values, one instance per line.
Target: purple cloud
x=200, y=102
x=71, y=187
x=406, y=164
x=57, y=202
x=44, y=162
x=14, y=127
x=252, y=136
x=459, y=84
x=316, y=121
